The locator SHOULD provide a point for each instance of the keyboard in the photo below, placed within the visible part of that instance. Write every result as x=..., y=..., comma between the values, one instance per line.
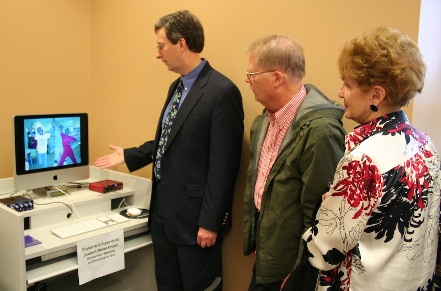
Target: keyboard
x=88, y=225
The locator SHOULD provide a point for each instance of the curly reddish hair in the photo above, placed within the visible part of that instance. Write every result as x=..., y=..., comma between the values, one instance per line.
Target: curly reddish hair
x=384, y=57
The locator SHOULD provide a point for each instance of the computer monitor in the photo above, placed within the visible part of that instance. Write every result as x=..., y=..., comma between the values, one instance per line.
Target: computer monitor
x=50, y=149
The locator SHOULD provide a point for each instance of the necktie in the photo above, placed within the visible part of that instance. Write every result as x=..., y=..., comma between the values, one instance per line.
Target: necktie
x=166, y=129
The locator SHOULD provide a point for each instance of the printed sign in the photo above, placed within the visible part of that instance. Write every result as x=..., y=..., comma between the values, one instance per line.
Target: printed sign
x=100, y=255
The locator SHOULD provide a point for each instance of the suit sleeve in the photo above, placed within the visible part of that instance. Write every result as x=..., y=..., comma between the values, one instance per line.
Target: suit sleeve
x=138, y=157
x=226, y=136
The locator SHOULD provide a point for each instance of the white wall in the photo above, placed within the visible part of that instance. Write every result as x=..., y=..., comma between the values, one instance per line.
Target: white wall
x=427, y=106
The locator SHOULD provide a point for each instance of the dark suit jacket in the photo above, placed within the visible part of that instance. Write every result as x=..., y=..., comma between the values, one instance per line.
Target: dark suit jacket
x=201, y=160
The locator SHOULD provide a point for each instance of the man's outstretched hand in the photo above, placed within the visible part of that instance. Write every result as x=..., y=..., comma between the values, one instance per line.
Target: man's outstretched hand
x=114, y=159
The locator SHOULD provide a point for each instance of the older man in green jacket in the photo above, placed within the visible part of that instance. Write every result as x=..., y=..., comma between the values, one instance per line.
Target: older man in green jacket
x=295, y=146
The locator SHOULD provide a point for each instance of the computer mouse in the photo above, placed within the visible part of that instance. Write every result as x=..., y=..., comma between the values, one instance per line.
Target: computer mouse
x=133, y=212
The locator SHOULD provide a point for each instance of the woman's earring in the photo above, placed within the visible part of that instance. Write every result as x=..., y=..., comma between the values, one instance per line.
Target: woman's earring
x=374, y=108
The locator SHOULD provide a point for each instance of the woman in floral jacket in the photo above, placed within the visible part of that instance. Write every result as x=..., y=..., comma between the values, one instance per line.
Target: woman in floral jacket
x=377, y=227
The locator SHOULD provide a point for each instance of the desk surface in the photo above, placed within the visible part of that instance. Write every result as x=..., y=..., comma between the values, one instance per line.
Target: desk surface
x=58, y=267
x=20, y=265
x=88, y=204
x=51, y=243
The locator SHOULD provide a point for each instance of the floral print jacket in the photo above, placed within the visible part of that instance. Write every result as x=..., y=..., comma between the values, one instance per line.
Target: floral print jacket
x=377, y=228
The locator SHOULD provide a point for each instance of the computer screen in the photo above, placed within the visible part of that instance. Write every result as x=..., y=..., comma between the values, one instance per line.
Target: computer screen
x=50, y=149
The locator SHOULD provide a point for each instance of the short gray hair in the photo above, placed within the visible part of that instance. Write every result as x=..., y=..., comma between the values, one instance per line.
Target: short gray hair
x=279, y=52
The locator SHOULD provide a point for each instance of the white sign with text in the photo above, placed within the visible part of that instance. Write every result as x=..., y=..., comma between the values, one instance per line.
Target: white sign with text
x=100, y=255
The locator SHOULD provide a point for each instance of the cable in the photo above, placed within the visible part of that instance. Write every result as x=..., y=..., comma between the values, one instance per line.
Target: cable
x=69, y=201
x=76, y=185
x=9, y=192
x=119, y=206
x=68, y=215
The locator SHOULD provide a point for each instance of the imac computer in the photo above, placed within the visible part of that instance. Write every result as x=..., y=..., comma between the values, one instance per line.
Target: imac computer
x=50, y=149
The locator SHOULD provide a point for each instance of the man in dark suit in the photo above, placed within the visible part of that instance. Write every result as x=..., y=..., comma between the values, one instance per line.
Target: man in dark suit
x=195, y=166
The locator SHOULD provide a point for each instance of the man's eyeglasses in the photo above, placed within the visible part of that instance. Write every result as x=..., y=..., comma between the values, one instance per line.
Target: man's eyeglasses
x=250, y=74
x=160, y=47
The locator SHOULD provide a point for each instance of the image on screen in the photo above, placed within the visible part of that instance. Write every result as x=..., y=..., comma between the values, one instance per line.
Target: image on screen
x=51, y=142
x=50, y=149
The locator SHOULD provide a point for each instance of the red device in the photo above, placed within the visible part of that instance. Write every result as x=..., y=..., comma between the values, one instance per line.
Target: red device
x=105, y=186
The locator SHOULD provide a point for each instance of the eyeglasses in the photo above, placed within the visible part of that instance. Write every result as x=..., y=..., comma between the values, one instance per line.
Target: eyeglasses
x=160, y=47
x=250, y=74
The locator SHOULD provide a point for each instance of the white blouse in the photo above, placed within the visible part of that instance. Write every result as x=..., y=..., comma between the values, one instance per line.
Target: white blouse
x=377, y=228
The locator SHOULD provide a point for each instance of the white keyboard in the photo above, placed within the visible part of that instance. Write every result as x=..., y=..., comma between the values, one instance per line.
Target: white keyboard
x=89, y=225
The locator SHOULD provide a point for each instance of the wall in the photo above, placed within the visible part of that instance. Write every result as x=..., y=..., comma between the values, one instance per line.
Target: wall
x=130, y=85
x=98, y=56
x=45, y=62
x=427, y=104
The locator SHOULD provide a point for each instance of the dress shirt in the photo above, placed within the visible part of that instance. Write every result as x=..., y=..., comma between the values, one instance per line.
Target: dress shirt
x=188, y=81
x=279, y=123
